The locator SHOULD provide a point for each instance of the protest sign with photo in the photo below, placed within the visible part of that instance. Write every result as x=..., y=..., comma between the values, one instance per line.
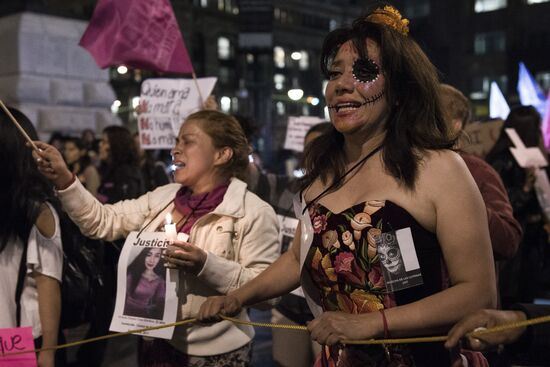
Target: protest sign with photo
x=146, y=291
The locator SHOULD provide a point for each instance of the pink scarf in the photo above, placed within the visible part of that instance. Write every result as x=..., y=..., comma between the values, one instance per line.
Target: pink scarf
x=192, y=207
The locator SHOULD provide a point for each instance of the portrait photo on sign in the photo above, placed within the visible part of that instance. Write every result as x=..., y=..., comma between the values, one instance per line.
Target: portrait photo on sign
x=146, y=284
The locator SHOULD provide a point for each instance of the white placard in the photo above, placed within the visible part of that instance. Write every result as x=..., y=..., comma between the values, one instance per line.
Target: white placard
x=169, y=102
x=525, y=157
x=296, y=131
x=146, y=294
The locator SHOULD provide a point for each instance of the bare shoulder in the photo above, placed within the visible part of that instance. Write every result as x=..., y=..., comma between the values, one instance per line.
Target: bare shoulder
x=46, y=221
x=443, y=172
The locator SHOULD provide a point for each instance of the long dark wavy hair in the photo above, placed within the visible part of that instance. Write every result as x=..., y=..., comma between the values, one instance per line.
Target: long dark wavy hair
x=137, y=267
x=415, y=120
x=122, y=149
x=23, y=189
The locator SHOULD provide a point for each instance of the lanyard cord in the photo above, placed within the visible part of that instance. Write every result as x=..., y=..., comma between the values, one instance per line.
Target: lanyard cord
x=190, y=214
x=337, y=182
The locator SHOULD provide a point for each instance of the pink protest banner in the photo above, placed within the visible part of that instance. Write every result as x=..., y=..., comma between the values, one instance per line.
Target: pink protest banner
x=142, y=34
x=14, y=340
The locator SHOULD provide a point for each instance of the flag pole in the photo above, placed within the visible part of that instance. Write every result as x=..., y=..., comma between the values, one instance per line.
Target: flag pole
x=18, y=126
x=198, y=88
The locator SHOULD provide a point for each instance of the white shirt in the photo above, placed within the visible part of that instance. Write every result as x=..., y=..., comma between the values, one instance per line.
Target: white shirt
x=44, y=256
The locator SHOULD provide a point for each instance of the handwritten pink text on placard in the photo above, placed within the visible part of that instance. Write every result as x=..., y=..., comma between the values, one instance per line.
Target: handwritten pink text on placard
x=14, y=340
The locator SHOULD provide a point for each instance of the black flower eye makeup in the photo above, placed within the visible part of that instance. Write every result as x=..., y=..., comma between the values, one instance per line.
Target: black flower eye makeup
x=365, y=70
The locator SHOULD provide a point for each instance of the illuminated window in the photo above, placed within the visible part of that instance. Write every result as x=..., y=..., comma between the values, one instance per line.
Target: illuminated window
x=204, y=3
x=279, y=81
x=536, y=1
x=489, y=42
x=279, y=57
x=280, y=108
x=543, y=78
x=417, y=8
x=304, y=61
x=489, y=5
x=224, y=48
x=225, y=104
x=480, y=87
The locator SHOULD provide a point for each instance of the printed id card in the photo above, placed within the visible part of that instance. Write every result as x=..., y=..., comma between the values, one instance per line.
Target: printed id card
x=398, y=260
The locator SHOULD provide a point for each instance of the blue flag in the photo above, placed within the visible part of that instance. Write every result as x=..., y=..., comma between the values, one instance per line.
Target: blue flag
x=530, y=93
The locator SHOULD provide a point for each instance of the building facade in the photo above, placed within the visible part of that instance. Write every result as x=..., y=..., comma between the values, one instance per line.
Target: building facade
x=476, y=42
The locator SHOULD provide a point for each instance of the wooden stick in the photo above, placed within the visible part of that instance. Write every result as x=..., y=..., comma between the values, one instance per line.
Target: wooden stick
x=18, y=126
x=198, y=89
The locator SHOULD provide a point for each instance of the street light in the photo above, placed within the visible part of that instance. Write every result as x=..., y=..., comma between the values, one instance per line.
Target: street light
x=295, y=94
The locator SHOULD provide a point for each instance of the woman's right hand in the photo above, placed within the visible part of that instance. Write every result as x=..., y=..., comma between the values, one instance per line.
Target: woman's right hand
x=51, y=164
x=215, y=306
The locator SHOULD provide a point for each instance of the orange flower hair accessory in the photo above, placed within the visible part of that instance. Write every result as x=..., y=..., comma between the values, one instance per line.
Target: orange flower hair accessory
x=391, y=17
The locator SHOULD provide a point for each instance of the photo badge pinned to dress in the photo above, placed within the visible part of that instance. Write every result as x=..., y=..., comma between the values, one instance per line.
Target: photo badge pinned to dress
x=146, y=290
x=398, y=260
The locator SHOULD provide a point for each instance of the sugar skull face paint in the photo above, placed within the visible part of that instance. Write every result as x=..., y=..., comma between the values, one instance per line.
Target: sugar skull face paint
x=365, y=71
x=355, y=93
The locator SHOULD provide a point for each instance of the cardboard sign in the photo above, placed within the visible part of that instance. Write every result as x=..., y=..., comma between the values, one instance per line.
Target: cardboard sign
x=482, y=136
x=296, y=131
x=169, y=102
x=14, y=340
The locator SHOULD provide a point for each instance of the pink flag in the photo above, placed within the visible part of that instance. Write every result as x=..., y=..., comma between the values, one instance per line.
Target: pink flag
x=142, y=34
x=546, y=123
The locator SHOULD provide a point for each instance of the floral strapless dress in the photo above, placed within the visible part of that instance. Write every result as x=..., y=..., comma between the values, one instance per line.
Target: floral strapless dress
x=344, y=265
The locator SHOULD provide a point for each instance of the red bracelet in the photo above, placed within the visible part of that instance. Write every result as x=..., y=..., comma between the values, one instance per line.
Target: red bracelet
x=385, y=322
x=70, y=183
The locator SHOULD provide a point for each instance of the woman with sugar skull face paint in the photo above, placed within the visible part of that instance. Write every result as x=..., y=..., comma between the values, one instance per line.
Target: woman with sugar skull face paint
x=386, y=167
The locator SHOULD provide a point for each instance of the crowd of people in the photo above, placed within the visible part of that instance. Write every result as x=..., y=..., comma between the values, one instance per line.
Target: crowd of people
x=398, y=232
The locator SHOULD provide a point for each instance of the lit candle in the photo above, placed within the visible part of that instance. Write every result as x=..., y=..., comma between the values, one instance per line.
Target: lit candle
x=170, y=228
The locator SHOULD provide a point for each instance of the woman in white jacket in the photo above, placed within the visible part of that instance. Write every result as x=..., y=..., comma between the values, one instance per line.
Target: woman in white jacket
x=233, y=234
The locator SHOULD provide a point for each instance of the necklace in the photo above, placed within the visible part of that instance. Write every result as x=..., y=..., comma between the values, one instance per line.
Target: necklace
x=337, y=182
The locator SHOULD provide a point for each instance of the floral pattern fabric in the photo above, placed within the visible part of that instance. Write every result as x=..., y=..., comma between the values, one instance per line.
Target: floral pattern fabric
x=344, y=264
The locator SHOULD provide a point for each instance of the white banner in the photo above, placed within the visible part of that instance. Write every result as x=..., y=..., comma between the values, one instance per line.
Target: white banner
x=168, y=102
x=296, y=131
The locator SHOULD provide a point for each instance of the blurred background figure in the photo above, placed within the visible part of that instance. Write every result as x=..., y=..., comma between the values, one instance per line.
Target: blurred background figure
x=522, y=278
x=57, y=139
x=120, y=172
x=153, y=170
x=91, y=144
x=31, y=256
x=504, y=229
x=79, y=162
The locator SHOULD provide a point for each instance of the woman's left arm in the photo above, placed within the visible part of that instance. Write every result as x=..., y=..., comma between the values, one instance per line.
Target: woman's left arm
x=457, y=211
x=49, y=310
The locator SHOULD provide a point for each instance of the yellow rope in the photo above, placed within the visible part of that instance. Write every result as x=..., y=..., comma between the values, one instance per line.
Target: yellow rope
x=104, y=337
x=428, y=339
